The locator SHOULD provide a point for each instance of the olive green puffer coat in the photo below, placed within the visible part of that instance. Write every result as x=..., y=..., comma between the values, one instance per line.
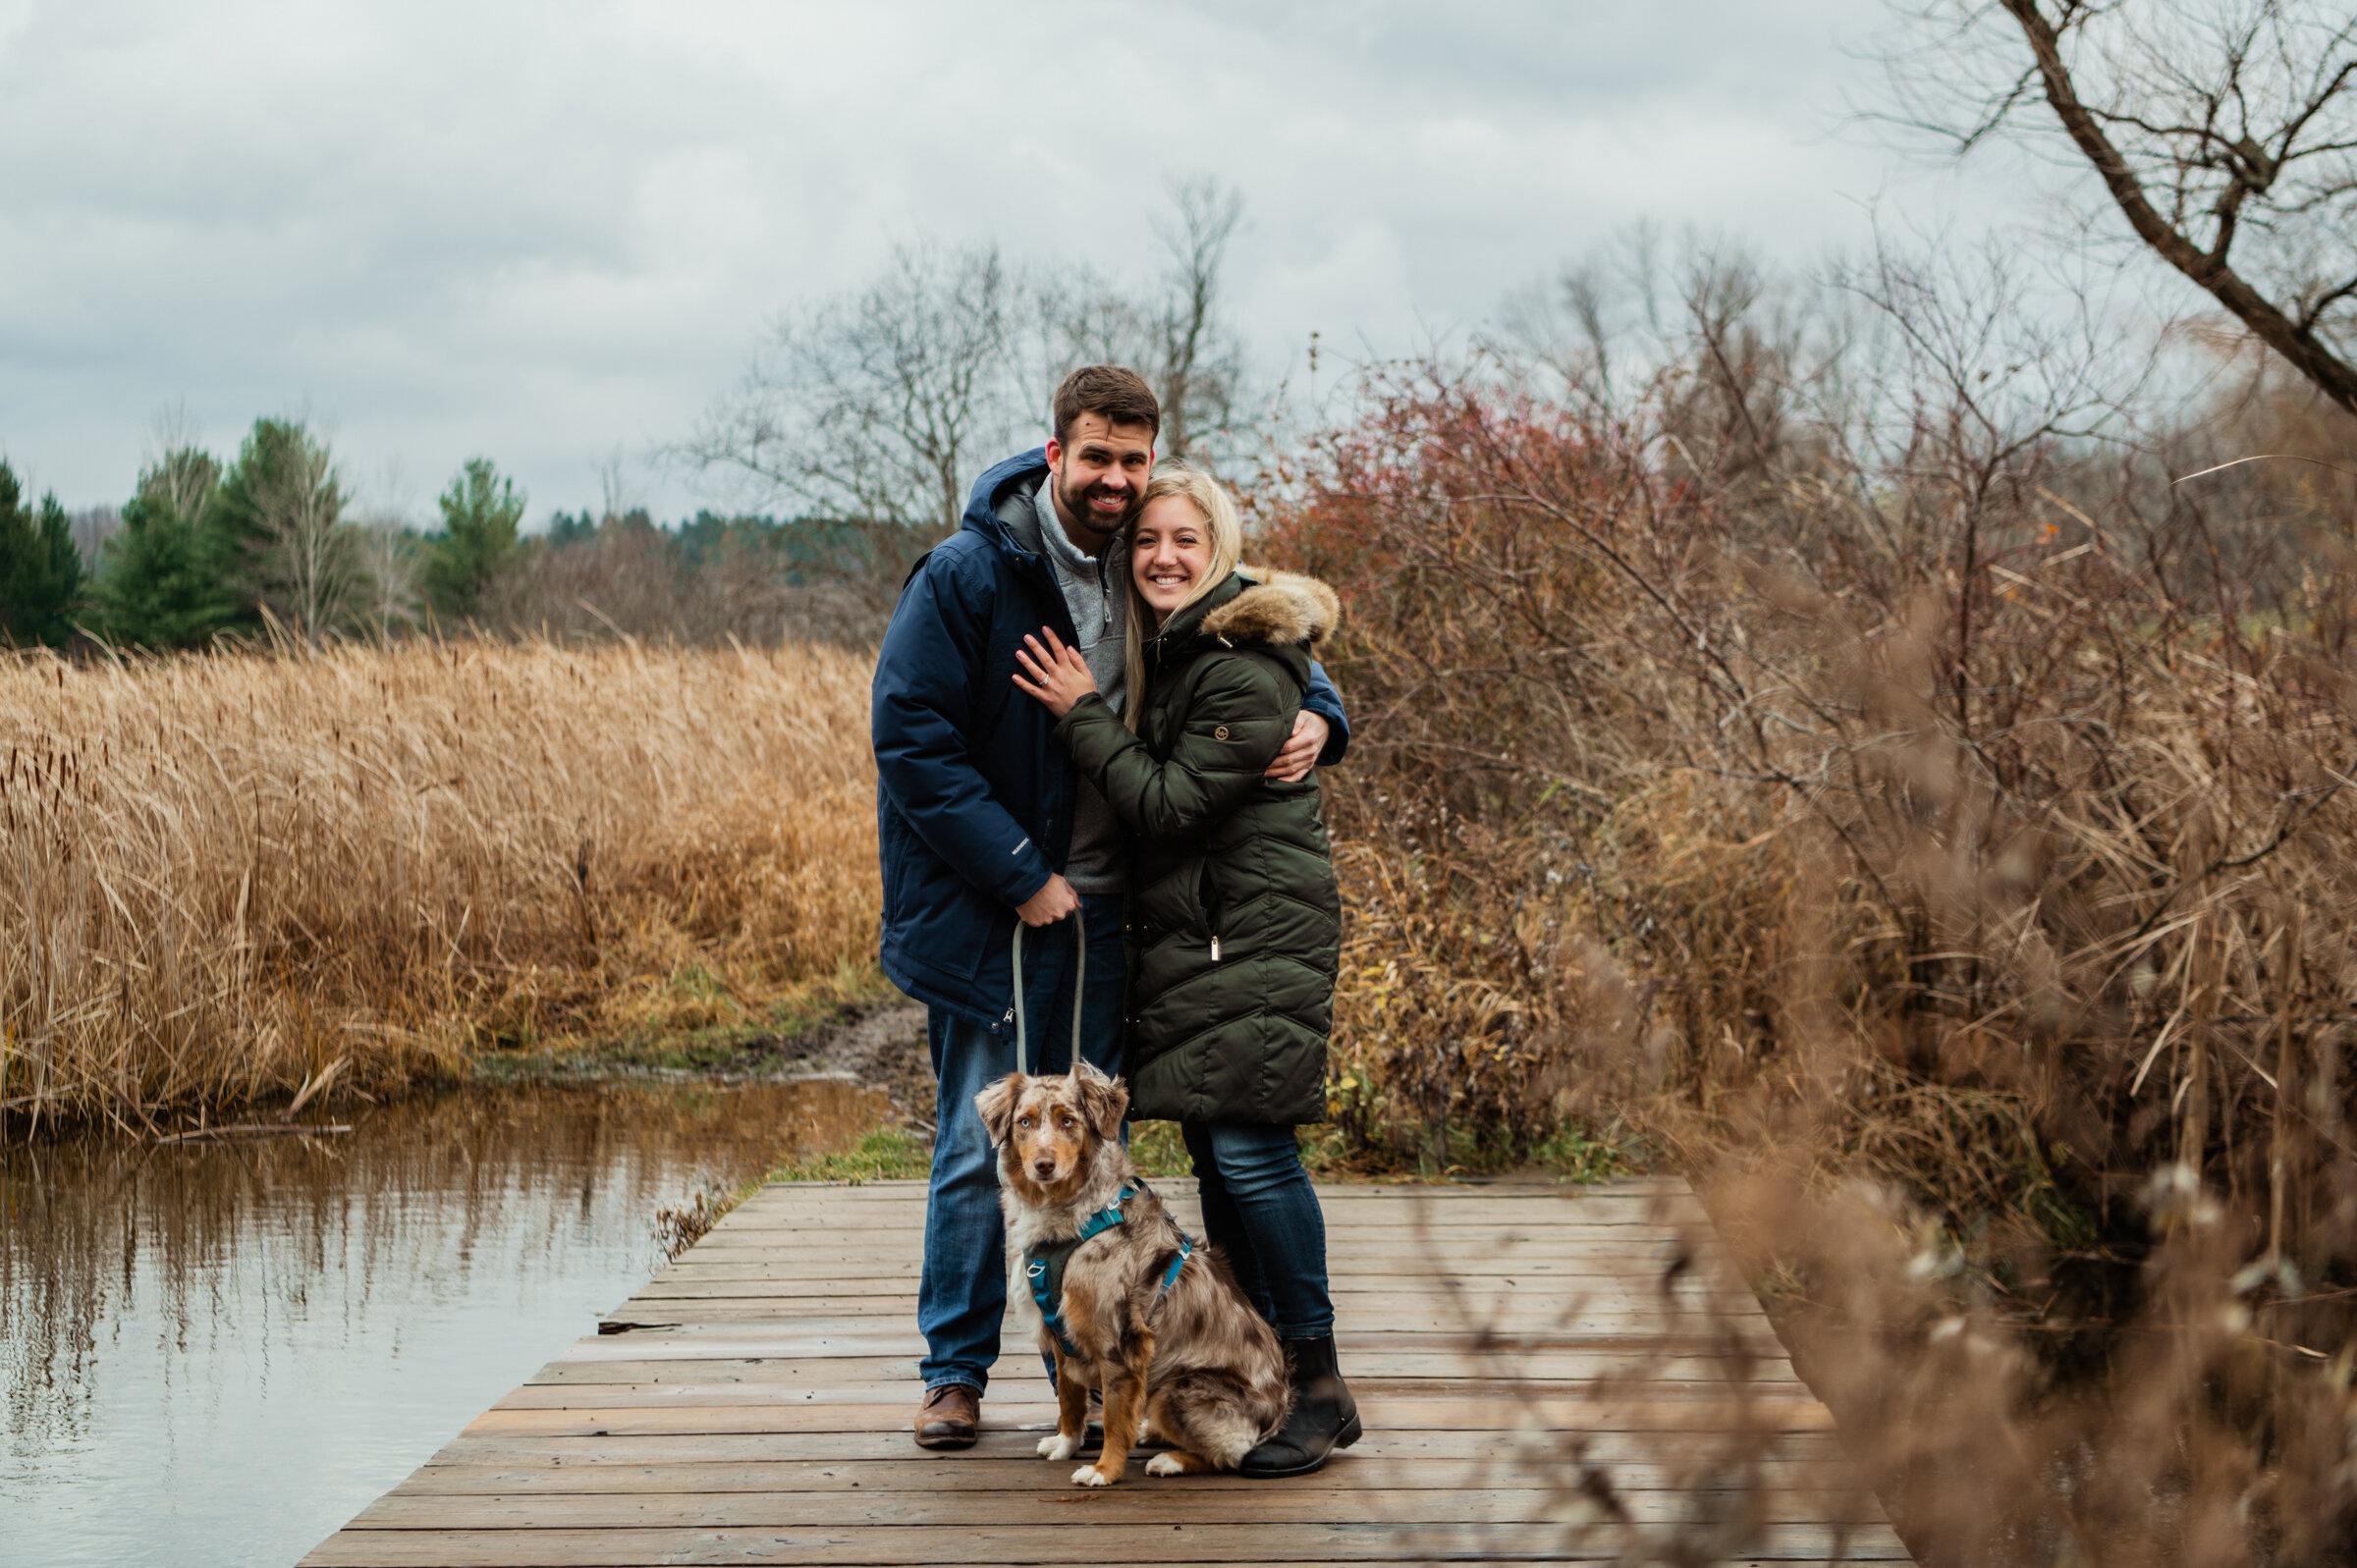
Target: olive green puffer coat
x=1235, y=923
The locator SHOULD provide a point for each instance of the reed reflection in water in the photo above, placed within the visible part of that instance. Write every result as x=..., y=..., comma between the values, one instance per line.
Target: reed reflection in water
x=219, y=1353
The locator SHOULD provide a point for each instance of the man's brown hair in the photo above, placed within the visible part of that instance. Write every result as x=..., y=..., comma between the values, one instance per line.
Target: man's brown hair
x=1121, y=397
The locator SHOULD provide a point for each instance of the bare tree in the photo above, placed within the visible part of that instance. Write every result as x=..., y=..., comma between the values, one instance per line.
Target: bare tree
x=1200, y=360
x=1177, y=337
x=315, y=555
x=93, y=527
x=385, y=550
x=617, y=498
x=2225, y=133
x=282, y=504
x=882, y=406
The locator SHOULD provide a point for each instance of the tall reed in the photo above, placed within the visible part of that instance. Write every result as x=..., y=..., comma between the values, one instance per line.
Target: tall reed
x=234, y=874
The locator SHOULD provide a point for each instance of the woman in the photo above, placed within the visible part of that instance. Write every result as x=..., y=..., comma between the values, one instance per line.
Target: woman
x=1235, y=923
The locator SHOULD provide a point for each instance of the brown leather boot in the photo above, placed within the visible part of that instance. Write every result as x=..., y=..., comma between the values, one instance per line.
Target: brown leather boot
x=949, y=1418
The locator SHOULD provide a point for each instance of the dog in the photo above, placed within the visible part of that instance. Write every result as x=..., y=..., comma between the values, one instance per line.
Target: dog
x=1130, y=1306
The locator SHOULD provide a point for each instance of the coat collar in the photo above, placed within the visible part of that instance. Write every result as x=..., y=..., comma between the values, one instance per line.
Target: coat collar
x=982, y=506
x=1187, y=627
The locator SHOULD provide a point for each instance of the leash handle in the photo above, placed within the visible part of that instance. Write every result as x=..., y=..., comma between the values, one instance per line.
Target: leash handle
x=1022, y=1041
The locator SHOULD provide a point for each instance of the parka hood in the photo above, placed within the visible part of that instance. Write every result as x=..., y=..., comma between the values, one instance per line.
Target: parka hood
x=1278, y=608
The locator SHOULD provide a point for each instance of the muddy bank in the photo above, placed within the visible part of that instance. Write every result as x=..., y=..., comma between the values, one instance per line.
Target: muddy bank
x=876, y=1045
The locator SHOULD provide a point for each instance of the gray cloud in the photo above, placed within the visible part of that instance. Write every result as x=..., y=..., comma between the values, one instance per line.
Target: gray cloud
x=542, y=230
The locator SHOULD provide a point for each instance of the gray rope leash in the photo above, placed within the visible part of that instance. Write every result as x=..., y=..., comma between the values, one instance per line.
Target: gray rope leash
x=1023, y=1042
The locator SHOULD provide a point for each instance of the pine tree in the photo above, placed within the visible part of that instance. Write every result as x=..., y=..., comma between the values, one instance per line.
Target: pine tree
x=162, y=580
x=41, y=568
x=480, y=545
x=278, y=520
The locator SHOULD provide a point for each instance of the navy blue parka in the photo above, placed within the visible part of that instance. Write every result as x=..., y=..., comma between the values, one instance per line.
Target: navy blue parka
x=974, y=796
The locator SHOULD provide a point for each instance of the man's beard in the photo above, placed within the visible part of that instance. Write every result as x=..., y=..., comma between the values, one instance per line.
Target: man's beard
x=1075, y=501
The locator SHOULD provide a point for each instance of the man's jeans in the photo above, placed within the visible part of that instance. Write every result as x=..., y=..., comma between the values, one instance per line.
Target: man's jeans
x=1261, y=1210
x=963, y=1297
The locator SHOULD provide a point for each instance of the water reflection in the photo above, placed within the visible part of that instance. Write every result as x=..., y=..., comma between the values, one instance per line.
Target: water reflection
x=219, y=1353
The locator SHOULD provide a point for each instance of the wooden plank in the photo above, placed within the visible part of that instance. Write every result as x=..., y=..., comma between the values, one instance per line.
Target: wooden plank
x=1505, y=1215
x=1667, y=1215
x=800, y=1477
x=1340, y=1191
x=1368, y=1295
x=1501, y=1351
x=1599, y=1279
x=1349, y=1290
x=1535, y=1300
x=1645, y=1263
x=1039, y=1543
x=1398, y=1451
x=1652, y=1413
x=1329, y=1192
x=1428, y=1312
x=1617, y=1220
x=1138, y=1498
x=1355, y=1318
x=1372, y=1367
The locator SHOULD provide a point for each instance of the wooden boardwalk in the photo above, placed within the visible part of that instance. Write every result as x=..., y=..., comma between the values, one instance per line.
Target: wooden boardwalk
x=1545, y=1374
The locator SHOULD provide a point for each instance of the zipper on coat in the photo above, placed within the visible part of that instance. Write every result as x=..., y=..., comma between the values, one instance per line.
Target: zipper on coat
x=1215, y=950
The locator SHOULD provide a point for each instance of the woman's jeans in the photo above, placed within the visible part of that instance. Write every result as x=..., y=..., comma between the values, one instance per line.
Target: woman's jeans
x=962, y=1295
x=1260, y=1209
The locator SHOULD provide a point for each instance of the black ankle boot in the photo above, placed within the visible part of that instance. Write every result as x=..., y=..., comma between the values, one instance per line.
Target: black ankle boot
x=1324, y=1416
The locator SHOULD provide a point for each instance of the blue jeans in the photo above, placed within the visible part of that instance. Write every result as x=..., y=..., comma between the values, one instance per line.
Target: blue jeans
x=1260, y=1209
x=962, y=1298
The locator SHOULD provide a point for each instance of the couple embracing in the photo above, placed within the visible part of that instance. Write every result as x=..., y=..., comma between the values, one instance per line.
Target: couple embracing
x=1096, y=735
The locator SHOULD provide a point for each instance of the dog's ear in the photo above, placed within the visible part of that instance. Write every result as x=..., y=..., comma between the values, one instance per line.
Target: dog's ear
x=1101, y=1099
x=997, y=1107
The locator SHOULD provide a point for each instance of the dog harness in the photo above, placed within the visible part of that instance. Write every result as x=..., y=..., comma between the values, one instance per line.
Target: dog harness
x=1043, y=1264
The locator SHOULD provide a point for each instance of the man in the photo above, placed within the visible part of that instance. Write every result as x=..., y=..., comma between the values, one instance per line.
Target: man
x=985, y=829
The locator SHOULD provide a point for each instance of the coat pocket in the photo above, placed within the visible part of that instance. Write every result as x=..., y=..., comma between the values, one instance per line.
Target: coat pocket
x=1171, y=904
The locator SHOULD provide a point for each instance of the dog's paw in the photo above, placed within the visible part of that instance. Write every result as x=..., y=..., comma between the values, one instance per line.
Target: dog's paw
x=1056, y=1445
x=1164, y=1465
x=1091, y=1475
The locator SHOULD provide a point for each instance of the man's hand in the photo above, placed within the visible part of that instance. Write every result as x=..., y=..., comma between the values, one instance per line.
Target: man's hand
x=1050, y=904
x=1300, y=753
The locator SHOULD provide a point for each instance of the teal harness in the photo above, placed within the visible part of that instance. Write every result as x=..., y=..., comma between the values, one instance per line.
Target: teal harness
x=1043, y=1264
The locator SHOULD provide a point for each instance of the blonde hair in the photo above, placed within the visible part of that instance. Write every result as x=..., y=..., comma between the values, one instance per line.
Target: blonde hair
x=1217, y=511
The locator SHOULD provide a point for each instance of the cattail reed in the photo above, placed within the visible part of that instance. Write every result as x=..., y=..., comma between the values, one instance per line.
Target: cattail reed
x=220, y=875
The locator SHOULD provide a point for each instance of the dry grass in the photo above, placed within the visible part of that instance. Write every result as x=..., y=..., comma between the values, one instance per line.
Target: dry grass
x=239, y=874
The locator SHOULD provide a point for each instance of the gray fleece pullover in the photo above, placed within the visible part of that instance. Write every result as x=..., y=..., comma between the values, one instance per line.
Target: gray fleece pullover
x=1096, y=592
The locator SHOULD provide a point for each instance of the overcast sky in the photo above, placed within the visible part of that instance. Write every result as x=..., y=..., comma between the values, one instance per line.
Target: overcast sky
x=547, y=232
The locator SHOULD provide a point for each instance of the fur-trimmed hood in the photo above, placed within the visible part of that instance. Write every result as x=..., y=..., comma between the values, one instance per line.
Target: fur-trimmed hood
x=1276, y=606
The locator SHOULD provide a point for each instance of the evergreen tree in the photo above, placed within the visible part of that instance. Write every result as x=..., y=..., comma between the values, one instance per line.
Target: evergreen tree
x=278, y=520
x=41, y=568
x=479, y=546
x=568, y=528
x=162, y=580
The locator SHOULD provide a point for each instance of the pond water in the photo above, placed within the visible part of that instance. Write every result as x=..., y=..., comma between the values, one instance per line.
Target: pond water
x=217, y=1352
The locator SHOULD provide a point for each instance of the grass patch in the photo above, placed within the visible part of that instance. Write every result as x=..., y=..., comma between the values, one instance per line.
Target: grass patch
x=887, y=1154
x=1578, y=1153
x=665, y=1038
x=1157, y=1149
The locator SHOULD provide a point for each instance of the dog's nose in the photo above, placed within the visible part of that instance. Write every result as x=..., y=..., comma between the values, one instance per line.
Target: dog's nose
x=1043, y=1168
